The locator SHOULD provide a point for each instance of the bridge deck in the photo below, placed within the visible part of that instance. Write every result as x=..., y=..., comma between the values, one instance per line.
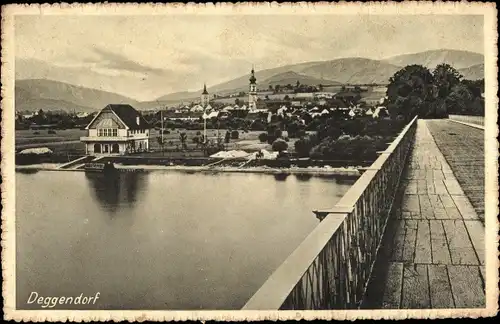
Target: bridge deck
x=463, y=148
x=432, y=255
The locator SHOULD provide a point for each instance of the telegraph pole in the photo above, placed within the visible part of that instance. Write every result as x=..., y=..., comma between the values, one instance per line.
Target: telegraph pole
x=162, y=143
x=204, y=126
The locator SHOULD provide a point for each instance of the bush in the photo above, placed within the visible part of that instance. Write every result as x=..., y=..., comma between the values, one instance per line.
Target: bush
x=280, y=145
x=51, y=131
x=235, y=134
x=358, y=148
x=263, y=137
x=278, y=133
x=258, y=125
x=304, y=145
x=293, y=129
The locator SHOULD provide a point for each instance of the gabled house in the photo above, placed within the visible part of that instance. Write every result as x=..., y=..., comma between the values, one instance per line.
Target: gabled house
x=197, y=108
x=117, y=129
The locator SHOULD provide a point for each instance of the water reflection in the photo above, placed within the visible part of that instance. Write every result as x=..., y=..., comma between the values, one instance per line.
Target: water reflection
x=303, y=176
x=116, y=190
x=347, y=180
x=27, y=171
x=281, y=176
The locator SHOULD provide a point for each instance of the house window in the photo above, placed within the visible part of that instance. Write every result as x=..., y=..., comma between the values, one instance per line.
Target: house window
x=107, y=132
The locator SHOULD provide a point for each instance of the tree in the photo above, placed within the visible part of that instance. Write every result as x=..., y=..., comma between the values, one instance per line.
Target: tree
x=279, y=145
x=410, y=91
x=304, y=145
x=292, y=129
x=459, y=99
x=183, y=139
x=297, y=84
x=237, y=101
x=445, y=78
x=476, y=87
x=320, y=87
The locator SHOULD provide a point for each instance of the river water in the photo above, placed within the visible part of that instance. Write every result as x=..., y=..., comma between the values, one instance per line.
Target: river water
x=160, y=240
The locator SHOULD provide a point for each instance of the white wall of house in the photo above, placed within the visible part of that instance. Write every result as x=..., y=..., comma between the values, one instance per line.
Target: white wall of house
x=138, y=133
x=122, y=132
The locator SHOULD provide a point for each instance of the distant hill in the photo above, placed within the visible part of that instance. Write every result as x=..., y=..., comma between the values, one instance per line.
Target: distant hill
x=291, y=77
x=475, y=72
x=430, y=59
x=34, y=87
x=353, y=70
x=43, y=94
x=240, y=83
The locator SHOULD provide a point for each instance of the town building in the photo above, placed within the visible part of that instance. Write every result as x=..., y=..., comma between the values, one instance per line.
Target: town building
x=117, y=129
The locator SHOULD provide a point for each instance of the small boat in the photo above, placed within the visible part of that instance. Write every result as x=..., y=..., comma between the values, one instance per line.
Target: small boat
x=99, y=167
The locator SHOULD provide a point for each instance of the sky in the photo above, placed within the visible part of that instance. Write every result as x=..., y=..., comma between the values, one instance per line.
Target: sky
x=145, y=57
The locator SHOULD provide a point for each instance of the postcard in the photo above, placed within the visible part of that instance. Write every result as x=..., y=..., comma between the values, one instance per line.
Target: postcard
x=249, y=161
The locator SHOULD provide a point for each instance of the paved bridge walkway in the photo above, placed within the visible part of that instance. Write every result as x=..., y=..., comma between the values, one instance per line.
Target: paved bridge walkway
x=463, y=148
x=432, y=255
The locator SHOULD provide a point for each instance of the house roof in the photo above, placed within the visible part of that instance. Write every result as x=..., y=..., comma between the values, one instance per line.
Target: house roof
x=128, y=115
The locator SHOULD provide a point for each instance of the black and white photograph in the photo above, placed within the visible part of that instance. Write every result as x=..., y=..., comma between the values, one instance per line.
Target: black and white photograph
x=245, y=160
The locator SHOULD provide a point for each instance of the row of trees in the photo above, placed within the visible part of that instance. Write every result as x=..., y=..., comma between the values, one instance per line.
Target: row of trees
x=415, y=90
x=59, y=119
x=336, y=137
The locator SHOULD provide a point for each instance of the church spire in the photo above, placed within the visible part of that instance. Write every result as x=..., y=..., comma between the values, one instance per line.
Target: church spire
x=252, y=93
x=252, y=76
x=205, y=97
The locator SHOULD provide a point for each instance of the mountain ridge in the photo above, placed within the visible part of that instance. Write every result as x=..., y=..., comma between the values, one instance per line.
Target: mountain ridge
x=45, y=91
x=353, y=70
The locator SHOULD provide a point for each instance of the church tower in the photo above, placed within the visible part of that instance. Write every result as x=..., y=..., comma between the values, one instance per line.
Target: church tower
x=205, y=97
x=252, y=93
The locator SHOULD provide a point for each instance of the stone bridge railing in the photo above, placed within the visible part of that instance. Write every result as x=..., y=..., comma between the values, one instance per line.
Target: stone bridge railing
x=331, y=268
x=478, y=120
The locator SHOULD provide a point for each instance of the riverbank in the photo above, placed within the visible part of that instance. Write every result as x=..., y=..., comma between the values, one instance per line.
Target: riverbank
x=321, y=171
